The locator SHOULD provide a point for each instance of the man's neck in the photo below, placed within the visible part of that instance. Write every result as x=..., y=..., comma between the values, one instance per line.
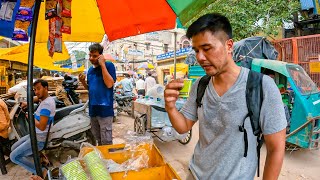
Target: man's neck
x=228, y=76
x=44, y=97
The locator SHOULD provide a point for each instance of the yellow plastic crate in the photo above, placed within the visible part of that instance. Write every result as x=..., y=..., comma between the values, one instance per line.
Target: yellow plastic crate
x=158, y=169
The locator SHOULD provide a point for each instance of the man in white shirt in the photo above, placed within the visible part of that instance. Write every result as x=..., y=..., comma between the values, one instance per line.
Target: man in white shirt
x=150, y=82
x=140, y=86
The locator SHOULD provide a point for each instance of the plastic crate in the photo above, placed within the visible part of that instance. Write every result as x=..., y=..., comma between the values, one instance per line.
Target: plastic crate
x=159, y=169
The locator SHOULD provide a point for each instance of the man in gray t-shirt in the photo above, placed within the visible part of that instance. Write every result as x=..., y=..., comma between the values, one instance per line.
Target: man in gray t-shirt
x=219, y=153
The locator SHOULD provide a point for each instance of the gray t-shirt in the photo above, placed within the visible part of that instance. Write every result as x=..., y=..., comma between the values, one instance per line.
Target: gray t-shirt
x=219, y=153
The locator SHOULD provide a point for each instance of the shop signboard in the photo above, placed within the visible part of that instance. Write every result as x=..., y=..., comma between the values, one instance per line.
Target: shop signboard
x=179, y=52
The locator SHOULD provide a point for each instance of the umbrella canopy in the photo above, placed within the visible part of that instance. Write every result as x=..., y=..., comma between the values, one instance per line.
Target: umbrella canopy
x=146, y=66
x=109, y=57
x=91, y=19
x=41, y=57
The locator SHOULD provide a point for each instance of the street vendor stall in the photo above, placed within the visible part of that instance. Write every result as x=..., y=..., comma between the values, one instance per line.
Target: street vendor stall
x=90, y=21
x=154, y=118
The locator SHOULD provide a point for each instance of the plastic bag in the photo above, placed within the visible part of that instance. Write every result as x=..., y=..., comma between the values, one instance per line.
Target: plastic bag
x=66, y=25
x=73, y=170
x=94, y=163
x=135, y=140
x=55, y=36
x=24, y=14
x=23, y=20
x=53, y=9
x=6, y=10
x=66, y=8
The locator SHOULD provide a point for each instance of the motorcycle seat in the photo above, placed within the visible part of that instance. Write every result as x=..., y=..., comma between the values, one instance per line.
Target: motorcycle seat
x=60, y=113
x=10, y=102
x=125, y=97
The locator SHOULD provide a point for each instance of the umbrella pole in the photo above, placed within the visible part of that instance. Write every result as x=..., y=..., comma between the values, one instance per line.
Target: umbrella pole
x=32, y=129
x=175, y=56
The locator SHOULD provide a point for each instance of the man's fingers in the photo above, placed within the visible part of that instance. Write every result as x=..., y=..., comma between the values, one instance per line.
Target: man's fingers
x=170, y=99
x=171, y=92
x=174, y=85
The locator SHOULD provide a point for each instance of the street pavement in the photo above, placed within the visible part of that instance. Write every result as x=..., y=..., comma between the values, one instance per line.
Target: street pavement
x=298, y=165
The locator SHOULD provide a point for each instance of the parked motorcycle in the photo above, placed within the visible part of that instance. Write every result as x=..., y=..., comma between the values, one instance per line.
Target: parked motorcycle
x=66, y=94
x=70, y=128
x=124, y=101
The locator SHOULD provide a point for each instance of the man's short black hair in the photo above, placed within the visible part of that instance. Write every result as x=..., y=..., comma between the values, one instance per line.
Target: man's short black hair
x=213, y=22
x=44, y=83
x=96, y=47
x=127, y=75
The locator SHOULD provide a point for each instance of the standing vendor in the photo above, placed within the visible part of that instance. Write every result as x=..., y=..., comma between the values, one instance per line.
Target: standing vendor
x=101, y=77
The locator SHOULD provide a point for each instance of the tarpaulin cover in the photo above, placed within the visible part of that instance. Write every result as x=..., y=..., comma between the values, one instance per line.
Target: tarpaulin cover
x=41, y=57
x=7, y=27
x=253, y=47
x=86, y=24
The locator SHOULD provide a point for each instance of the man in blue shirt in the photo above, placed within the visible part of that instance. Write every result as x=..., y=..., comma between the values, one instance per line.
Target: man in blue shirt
x=100, y=79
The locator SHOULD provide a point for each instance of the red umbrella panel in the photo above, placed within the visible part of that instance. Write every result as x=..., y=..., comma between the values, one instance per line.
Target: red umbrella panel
x=123, y=18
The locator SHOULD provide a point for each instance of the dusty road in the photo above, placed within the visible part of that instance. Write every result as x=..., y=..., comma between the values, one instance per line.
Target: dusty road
x=298, y=165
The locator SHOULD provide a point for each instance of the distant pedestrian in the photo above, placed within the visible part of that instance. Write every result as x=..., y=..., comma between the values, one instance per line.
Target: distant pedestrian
x=127, y=85
x=150, y=82
x=140, y=85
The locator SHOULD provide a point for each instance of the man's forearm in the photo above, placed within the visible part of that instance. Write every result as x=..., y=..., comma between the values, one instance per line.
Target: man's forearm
x=178, y=121
x=273, y=165
x=107, y=78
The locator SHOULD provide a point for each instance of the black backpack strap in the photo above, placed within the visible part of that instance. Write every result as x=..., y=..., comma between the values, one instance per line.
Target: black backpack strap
x=47, y=137
x=202, y=86
x=254, y=98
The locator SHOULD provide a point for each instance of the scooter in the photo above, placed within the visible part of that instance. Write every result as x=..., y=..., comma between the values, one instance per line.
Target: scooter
x=66, y=95
x=124, y=102
x=70, y=128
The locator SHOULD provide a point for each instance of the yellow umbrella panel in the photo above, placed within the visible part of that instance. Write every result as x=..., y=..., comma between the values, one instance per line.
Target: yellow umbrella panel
x=85, y=16
x=181, y=67
x=41, y=57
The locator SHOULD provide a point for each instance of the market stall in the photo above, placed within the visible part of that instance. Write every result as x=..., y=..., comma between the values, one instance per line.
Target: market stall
x=91, y=19
x=151, y=116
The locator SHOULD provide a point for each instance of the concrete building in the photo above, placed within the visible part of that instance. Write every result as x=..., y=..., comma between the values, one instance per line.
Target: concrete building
x=132, y=51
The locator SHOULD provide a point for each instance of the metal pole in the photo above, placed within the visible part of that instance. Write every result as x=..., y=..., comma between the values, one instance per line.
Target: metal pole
x=32, y=129
x=175, y=56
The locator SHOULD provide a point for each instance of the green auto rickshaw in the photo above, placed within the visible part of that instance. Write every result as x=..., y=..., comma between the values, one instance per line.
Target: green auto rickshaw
x=301, y=98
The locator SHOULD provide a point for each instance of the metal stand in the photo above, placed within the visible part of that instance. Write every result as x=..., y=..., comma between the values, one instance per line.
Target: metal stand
x=32, y=130
x=2, y=161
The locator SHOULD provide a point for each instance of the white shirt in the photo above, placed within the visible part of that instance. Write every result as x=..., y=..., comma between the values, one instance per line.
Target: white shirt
x=150, y=82
x=140, y=84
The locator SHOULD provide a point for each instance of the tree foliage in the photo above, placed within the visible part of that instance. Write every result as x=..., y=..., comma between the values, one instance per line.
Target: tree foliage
x=250, y=17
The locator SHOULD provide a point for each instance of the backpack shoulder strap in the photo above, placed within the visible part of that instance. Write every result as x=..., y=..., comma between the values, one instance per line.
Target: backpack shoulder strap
x=254, y=98
x=202, y=86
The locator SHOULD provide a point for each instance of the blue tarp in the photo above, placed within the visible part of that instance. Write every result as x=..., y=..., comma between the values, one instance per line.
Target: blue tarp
x=306, y=4
x=7, y=27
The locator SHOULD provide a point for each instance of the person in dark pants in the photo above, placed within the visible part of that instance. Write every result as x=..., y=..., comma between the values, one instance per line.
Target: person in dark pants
x=140, y=86
x=100, y=81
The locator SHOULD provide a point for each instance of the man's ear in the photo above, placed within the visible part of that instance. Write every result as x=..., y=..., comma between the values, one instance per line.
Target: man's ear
x=229, y=46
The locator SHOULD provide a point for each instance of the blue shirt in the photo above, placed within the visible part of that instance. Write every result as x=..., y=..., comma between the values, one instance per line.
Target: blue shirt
x=100, y=96
x=46, y=108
